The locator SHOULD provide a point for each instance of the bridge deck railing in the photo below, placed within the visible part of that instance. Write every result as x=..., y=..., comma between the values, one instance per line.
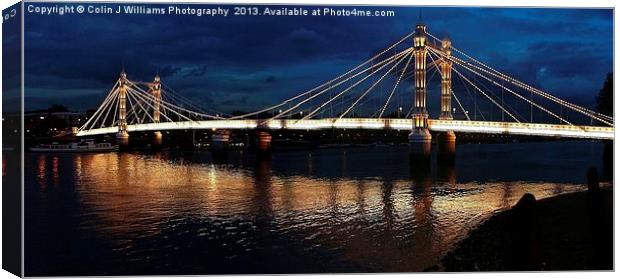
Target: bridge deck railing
x=488, y=127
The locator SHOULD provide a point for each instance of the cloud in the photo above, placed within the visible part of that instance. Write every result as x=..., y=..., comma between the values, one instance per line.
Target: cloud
x=270, y=79
x=262, y=60
x=196, y=72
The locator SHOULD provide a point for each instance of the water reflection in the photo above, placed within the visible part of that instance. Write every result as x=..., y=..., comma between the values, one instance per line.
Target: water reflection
x=424, y=235
x=42, y=173
x=262, y=200
x=328, y=210
x=446, y=172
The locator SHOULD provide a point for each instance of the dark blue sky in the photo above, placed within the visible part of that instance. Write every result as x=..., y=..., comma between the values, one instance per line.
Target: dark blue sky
x=249, y=62
x=11, y=60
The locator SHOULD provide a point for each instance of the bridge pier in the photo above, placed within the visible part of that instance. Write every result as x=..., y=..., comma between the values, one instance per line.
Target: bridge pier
x=220, y=140
x=420, y=145
x=157, y=140
x=446, y=146
x=446, y=172
x=263, y=143
x=122, y=139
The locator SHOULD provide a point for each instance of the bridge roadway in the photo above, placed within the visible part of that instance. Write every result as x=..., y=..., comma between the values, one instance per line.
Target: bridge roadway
x=482, y=127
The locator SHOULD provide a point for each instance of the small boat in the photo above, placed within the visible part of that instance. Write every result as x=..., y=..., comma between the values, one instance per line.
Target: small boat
x=82, y=146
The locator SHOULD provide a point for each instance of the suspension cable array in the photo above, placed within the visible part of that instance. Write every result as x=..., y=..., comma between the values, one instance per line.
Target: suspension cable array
x=141, y=107
x=352, y=94
x=475, y=66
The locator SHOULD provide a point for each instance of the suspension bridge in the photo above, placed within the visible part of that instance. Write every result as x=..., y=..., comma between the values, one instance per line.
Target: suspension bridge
x=370, y=96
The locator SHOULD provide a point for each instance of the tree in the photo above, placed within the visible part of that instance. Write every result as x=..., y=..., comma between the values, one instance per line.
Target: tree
x=57, y=108
x=605, y=98
x=605, y=105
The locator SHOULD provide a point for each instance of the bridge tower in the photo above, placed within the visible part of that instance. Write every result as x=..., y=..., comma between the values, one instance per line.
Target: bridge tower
x=446, y=142
x=156, y=89
x=420, y=137
x=122, y=137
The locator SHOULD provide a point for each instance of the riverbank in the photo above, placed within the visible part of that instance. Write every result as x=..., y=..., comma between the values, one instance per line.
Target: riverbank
x=567, y=232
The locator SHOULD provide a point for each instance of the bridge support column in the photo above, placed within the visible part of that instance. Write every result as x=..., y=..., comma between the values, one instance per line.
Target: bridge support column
x=122, y=137
x=420, y=137
x=157, y=140
x=156, y=90
x=420, y=144
x=446, y=141
x=263, y=143
x=446, y=146
x=220, y=140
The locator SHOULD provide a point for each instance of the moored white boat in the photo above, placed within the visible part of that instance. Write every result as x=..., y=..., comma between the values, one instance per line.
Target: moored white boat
x=82, y=146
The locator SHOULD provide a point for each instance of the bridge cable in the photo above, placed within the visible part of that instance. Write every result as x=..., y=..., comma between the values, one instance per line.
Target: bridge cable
x=162, y=104
x=488, y=97
x=472, y=96
x=146, y=112
x=97, y=115
x=437, y=70
x=460, y=105
x=374, y=85
x=108, y=110
x=133, y=112
x=135, y=87
x=333, y=80
x=477, y=88
x=515, y=93
x=598, y=116
x=169, y=105
x=355, y=84
x=170, y=92
x=344, y=100
x=135, y=94
x=457, y=62
x=382, y=63
x=105, y=101
x=350, y=98
x=288, y=112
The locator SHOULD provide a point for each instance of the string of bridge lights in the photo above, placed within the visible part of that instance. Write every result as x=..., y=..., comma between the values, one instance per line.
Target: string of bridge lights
x=396, y=85
x=434, y=63
x=458, y=62
x=329, y=82
x=490, y=70
x=141, y=102
x=391, y=59
x=382, y=65
x=441, y=55
x=375, y=84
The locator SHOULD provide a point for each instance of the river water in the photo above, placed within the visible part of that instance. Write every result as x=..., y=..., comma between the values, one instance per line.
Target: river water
x=324, y=210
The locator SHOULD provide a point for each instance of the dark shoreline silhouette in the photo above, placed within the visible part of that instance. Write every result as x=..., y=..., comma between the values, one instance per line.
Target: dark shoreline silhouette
x=568, y=232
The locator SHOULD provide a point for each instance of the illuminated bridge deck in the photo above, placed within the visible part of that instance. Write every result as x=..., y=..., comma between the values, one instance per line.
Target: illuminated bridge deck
x=481, y=127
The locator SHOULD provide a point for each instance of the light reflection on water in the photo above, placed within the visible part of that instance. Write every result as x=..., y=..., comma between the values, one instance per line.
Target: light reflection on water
x=304, y=211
